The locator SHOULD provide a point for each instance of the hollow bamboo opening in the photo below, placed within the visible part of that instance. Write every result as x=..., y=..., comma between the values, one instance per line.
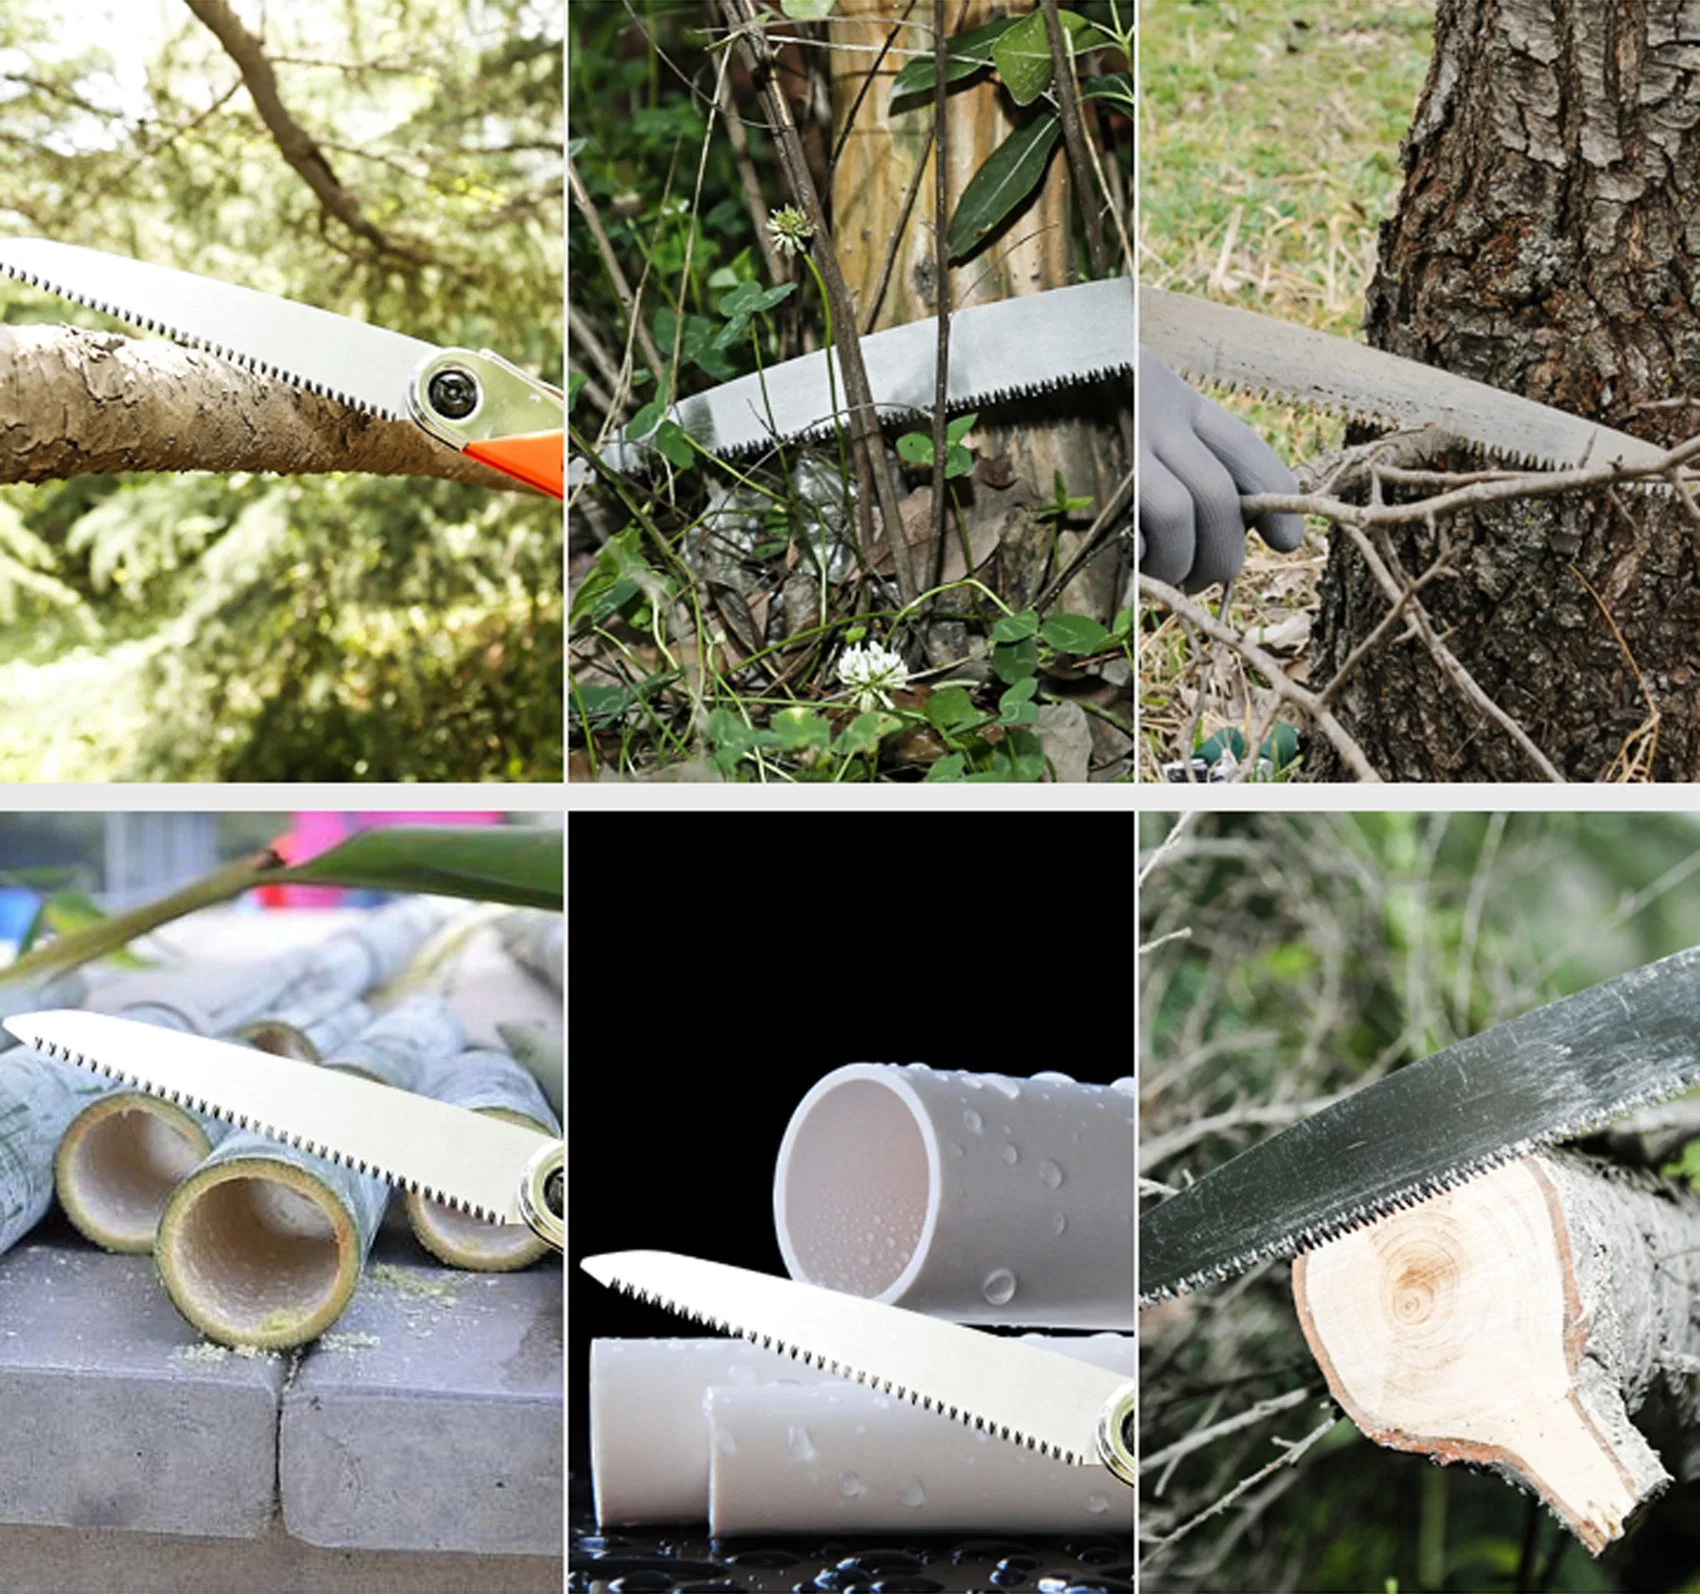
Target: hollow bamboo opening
x=118, y=1163
x=258, y=1253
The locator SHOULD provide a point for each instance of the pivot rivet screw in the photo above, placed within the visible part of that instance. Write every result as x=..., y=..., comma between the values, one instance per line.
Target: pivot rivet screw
x=453, y=393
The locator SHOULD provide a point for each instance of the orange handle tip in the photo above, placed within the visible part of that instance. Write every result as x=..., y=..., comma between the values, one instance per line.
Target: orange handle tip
x=538, y=459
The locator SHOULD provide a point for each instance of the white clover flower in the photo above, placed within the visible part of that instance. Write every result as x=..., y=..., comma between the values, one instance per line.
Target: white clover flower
x=789, y=229
x=872, y=673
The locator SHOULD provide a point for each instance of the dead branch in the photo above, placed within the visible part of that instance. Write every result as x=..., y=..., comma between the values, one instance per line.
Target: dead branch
x=1301, y=697
x=873, y=469
x=74, y=403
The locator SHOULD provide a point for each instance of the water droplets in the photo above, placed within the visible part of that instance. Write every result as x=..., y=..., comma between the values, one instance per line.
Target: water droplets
x=850, y=1485
x=728, y=1445
x=999, y=1287
x=1124, y=1086
x=1050, y=1175
x=1097, y=1503
x=1051, y=1077
x=972, y=1121
x=914, y=1494
x=1010, y=1152
x=1005, y=1087
x=1059, y=1222
x=799, y=1445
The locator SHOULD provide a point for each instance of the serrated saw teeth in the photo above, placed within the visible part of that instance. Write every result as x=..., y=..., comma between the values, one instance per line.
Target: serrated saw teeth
x=819, y=1360
x=188, y=340
x=206, y=1109
x=1405, y=1197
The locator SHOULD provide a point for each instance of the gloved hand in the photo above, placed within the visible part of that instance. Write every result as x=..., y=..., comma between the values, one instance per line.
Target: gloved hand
x=1195, y=462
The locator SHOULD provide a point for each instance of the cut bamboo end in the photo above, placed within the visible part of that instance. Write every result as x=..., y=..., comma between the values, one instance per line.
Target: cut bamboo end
x=1456, y=1329
x=467, y=1242
x=118, y=1163
x=255, y=1251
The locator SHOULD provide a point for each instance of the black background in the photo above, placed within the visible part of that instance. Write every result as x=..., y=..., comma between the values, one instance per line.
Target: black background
x=719, y=965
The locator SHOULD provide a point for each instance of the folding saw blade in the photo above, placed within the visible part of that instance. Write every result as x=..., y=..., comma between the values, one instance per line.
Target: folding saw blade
x=1563, y=1070
x=1014, y=348
x=1244, y=351
x=1022, y=1393
x=463, y=1159
x=368, y=367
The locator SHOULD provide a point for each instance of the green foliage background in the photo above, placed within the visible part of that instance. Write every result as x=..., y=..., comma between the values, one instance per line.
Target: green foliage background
x=260, y=628
x=1288, y=957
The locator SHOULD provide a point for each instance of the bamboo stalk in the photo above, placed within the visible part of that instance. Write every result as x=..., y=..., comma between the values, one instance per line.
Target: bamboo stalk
x=536, y=941
x=494, y=1083
x=263, y=1244
x=119, y=1160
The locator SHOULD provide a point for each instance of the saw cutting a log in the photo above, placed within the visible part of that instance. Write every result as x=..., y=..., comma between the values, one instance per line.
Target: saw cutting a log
x=1488, y=1254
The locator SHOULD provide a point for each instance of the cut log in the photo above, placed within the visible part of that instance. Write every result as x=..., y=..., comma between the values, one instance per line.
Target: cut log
x=1517, y=1322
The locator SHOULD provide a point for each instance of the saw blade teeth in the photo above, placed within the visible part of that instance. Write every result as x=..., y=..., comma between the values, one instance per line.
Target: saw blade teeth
x=824, y=1363
x=149, y=323
x=190, y=1102
x=1406, y=1197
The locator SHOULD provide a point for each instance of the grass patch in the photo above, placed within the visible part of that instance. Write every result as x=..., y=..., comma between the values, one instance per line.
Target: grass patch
x=1269, y=150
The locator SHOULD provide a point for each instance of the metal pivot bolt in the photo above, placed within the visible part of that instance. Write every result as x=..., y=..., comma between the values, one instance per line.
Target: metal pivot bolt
x=1115, y=1436
x=453, y=393
x=540, y=1196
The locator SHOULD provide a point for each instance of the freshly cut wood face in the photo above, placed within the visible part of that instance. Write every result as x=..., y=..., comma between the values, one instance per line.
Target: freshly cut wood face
x=1455, y=1328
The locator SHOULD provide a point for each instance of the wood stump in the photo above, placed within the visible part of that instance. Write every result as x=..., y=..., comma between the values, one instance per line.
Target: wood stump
x=1518, y=1322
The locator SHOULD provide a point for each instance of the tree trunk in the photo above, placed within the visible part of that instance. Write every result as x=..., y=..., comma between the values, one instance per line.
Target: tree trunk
x=1547, y=241
x=1517, y=1322
x=1063, y=432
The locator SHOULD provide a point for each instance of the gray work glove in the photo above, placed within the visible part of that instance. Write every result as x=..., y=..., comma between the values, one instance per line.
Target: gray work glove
x=1195, y=463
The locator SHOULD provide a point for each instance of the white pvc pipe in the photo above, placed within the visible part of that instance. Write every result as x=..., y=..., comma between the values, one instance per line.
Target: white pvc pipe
x=971, y=1196
x=842, y=1458
x=649, y=1440
x=650, y=1436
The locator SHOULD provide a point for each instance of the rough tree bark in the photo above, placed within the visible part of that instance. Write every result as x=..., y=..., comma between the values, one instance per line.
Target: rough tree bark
x=73, y=403
x=1547, y=241
x=1518, y=1322
x=873, y=177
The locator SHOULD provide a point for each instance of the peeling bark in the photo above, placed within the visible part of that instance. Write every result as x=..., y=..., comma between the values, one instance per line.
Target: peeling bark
x=1518, y=1322
x=1547, y=241
x=75, y=403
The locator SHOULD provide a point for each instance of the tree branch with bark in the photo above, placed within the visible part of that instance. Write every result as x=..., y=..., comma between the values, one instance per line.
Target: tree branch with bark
x=294, y=142
x=75, y=403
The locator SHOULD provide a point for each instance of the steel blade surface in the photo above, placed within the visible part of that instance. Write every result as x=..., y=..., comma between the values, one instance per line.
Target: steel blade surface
x=1009, y=349
x=1240, y=349
x=1021, y=1393
x=1559, y=1071
x=348, y=360
x=464, y=1159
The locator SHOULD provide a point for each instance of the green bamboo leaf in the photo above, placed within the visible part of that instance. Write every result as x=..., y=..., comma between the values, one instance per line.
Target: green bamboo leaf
x=1011, y=173
x=1023, y=59
x=966, y=54
x=67, y=911
x=519, y=865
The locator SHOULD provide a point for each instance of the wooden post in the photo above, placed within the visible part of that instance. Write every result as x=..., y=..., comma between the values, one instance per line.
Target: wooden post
x=1517, y=1322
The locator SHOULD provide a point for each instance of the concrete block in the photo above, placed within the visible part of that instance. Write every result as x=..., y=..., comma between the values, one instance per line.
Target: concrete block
x=430, y=1417
x=114, y=1411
